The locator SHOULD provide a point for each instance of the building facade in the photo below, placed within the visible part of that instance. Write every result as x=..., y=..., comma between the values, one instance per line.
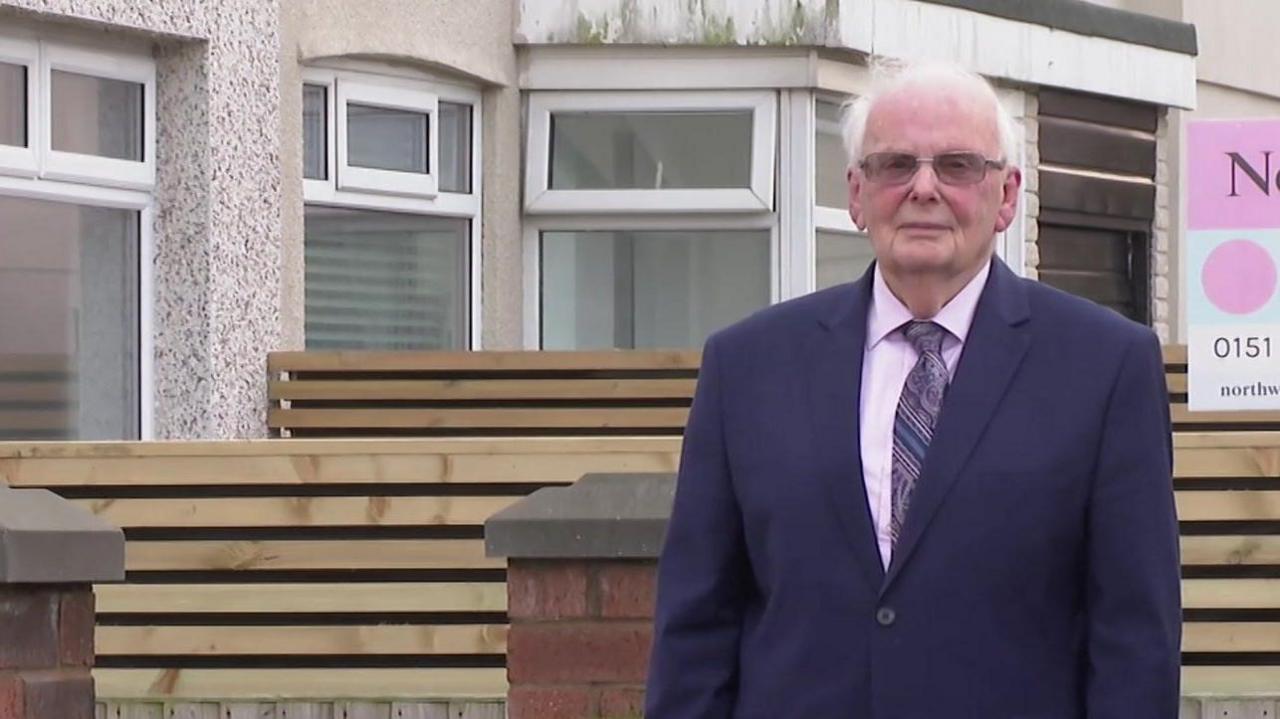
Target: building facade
x=186, y=186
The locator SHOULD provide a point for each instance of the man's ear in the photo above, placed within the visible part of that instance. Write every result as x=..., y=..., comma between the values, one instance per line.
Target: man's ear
x=855, y=182
x=1008, y=199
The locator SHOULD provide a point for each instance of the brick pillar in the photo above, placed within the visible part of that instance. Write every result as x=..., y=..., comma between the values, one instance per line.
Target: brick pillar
x=580, y=592
x=50, y=551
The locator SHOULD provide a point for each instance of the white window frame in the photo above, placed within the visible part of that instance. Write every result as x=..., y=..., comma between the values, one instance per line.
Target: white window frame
x=541, y=199
x=390, y=94
x=15, y=160
x=535, y=227
x=553, y=76
x=77, y=167
x=38, y=173
x=334, y=192
x=831, y=220
x=326, y=187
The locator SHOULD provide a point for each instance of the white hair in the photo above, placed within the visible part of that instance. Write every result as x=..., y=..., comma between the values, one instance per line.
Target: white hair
x=890, y=75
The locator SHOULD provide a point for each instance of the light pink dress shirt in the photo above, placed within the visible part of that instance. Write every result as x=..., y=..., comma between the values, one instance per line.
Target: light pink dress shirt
x=886, y=361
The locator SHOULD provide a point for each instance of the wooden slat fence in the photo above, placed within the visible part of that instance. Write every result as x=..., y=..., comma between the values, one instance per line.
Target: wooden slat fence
x=234, y=593
x=435, y=394
x=1228, y=493
x=299, y=710
x=350, y=394
x=310, y=569
x=353, y=568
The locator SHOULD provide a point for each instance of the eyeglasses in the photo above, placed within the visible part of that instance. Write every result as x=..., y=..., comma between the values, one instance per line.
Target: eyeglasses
x=952, y=168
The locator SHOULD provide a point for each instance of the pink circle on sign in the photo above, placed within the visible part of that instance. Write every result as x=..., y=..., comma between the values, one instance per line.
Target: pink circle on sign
x=1239, y=277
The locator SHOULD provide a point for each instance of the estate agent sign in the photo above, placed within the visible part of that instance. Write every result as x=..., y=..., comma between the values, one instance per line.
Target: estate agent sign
x=1233, y=252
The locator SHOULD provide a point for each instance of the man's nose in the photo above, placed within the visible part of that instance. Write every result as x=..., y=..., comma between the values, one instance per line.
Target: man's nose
x=924, y=184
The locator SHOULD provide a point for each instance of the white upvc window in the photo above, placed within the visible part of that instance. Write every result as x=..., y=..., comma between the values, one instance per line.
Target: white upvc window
x=842, y=252
x=391, y=179
x=651, y=217
x=77, y=115
x=101, y=111
x=19, y=106
x=676, y=152
x=77, y=168
x=657, y=212
x=387, y=138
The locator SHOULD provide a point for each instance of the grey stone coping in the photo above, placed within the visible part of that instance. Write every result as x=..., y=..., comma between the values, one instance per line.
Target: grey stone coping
x=601, y=516
x=44, y=539
x=1086, y=18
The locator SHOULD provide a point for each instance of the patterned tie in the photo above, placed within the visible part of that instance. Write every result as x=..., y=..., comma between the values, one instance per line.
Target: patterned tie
x=917, y=414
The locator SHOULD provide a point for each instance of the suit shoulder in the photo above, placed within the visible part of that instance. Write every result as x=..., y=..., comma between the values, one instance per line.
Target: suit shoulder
x=1078, y=320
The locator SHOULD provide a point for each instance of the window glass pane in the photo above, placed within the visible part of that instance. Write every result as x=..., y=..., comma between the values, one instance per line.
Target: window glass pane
x=381, y=138
x=68, y=321
x=831, y=160
x=650, y=150
x=649, y=289
x=842, y=257
x=314, y=132
x=455, y=147
x=13, y=105
x=383, y=280
x=97, y=116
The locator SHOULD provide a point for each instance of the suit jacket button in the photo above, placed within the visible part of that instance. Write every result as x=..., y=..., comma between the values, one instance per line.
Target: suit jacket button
x=885, y=616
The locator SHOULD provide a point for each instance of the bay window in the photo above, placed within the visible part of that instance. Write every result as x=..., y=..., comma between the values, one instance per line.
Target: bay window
x=391, y=180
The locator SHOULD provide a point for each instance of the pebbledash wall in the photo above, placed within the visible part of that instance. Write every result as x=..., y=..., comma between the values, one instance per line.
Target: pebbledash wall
x=227, y=278
x=215, y=297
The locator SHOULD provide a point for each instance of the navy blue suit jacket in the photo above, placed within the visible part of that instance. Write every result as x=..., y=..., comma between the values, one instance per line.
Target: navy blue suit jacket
x=1037, y=573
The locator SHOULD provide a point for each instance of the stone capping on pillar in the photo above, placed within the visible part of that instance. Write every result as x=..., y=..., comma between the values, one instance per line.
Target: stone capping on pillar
x=44, y=539
x=602, y=516
x=51, y=553
x=581, y=569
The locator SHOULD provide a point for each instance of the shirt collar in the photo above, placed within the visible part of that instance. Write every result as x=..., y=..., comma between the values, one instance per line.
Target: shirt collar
x=887, y=313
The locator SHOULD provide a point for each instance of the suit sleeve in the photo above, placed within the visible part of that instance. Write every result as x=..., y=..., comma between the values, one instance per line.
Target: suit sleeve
x=1132, y=592
x=703, y=574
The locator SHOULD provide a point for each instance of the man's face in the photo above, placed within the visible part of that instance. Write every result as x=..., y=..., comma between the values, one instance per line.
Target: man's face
x=924, y=226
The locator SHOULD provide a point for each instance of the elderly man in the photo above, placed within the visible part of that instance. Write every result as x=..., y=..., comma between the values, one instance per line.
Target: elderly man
x=939, y=491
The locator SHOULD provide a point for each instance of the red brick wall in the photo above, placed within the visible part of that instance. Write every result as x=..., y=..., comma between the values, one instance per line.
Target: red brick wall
x=580, y=637
x=46, y=652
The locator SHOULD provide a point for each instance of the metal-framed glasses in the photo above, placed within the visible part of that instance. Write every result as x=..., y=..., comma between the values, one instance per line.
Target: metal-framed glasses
x=951, y=168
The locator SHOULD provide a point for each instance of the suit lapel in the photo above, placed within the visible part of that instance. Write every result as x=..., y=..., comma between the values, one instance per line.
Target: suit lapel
x=992, y=354
x=835, y=356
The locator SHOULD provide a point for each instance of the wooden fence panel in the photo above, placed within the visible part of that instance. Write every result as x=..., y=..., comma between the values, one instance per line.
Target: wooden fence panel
x=300, y=710
x=1239, y=709
x=420, y=710
x=477, y=710
x=194, y=710
x=353, y=569
x=251, y=710
x=308, y=569
x=304, y=710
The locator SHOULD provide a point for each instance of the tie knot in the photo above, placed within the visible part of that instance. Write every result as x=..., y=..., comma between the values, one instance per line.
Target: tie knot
x=925, y=336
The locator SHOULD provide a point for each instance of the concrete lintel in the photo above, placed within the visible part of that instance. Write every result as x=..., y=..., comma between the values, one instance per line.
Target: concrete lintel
x=614, y=516
x=44, y=539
